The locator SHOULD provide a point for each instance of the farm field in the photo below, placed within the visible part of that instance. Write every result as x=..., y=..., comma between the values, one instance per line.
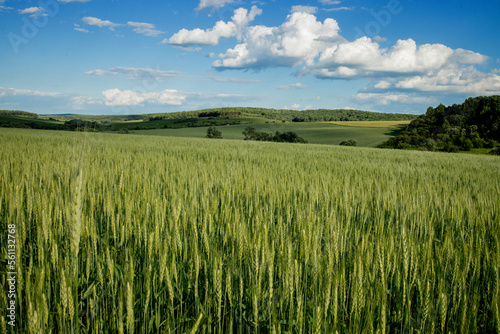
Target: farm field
x=313, y=132
x=373, y=124
x=156, y=234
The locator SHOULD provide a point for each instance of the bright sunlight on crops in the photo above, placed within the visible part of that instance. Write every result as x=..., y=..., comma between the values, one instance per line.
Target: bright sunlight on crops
x=130, y=234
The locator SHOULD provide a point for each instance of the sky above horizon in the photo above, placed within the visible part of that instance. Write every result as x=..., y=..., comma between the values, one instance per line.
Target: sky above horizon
x=134, y=57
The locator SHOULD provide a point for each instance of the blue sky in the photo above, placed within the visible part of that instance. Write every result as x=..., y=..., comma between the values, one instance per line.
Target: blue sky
x=130, y=57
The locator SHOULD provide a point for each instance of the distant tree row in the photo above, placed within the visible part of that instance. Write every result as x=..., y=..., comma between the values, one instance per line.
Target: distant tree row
x=218, y=113
x=18, y=113
x=251, y=133
x=473, y=124
x=320, y=115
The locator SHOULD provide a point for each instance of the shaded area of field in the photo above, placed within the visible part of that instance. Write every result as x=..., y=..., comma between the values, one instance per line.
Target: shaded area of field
x=313, y=132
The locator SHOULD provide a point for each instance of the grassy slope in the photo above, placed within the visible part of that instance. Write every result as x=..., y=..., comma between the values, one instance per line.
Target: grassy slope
x=25, y=120
x=315, y=133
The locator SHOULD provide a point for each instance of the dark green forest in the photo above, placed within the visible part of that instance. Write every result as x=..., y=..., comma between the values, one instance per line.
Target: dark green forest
x=459, y=127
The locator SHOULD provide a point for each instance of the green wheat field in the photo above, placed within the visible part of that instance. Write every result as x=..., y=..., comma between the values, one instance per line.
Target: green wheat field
x=150, y=234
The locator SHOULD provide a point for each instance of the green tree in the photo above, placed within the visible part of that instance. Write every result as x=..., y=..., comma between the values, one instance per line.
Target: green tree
x=249, y=133
x=213, y=133
x=350, y=142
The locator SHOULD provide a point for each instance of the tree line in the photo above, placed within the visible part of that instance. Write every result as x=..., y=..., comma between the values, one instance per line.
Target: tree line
x=459, y=127
x=251, y=133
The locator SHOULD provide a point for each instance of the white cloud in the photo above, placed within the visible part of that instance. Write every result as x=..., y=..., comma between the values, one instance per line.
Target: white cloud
x=117, y=97
x=68, y=1
x=240, y=20
x=330, y=2
x=300, y=39
x=136, y=73
x=81, y=30
x=317, y=48
x=4, y=8
x=26, y=92
x=317, y=98
x=79, y=102
x=33, y=11
x=298, y=85
x=294, y=106
x=147, y=29
x=453, y=79
x=77, y=28
x=304, y=9
x=94, y=21
x=186, y=48
x=233, y=80
x=364, y=58
x=213, y=4
x=383, y=85
x=336, y=9
x=387, y=98
x=202, y=37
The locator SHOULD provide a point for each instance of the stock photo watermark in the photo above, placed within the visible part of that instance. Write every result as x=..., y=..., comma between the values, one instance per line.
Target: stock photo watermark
x=11, y=275
x=381, y=19
x=31, y=26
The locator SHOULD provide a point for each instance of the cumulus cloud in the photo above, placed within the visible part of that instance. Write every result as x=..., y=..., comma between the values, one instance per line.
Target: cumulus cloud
x=453, y=79
x=314, y=47
x=364, y=57
x=133, y=73
x=147, y=29
x=213, y=4
x=241, y=18
x=298, y=40
x=33, y=11
x=117, y=97
x=94, y=21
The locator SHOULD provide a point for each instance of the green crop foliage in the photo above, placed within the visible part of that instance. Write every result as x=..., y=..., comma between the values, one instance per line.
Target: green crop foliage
x=132, y=234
